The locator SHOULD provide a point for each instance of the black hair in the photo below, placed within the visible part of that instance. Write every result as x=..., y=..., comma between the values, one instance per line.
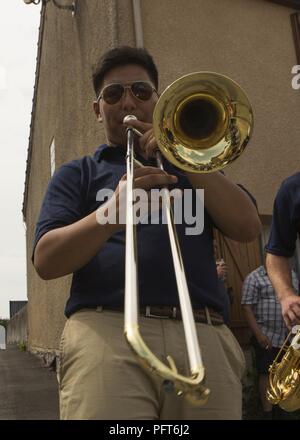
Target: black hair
x=121, y=56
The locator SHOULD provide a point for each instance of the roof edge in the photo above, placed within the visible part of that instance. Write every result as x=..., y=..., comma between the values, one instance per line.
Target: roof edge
x=33, y=112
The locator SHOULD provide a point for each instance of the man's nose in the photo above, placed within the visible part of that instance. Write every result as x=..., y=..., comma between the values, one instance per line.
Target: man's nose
x=128, y=101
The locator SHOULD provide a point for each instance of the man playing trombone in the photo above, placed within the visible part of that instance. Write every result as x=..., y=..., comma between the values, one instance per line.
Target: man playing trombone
x=100, y=378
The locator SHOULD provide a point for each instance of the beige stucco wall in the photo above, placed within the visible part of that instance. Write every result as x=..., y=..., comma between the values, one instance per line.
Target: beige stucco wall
x=248, y=40
x=251, y=42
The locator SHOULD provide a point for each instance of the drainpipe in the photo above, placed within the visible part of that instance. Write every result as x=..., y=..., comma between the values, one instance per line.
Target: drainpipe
x=114, y=23
x=138, y=26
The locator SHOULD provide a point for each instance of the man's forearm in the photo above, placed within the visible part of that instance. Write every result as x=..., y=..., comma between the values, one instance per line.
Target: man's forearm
x=251, y=321
x=231, y=209
x=64, y=250
x=280, y=274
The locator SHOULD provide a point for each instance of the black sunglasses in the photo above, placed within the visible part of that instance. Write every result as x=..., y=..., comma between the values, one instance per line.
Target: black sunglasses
x=141, y=90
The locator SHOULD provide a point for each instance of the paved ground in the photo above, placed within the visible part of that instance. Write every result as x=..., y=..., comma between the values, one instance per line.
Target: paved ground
x=28, y=391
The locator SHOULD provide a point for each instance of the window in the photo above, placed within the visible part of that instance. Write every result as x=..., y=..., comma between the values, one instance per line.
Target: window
x=52, y=157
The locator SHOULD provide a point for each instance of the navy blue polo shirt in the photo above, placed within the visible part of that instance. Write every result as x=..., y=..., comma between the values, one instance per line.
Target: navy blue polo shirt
x=286, y=218
x=72, y=195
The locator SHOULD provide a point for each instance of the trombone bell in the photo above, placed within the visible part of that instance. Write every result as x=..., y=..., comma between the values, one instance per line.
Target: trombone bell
x=200, y=107
x=202, y=122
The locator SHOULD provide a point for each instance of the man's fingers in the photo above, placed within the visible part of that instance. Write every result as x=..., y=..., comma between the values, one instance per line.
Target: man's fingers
x=145, y=138
x=144, y=171
x=291, y=319
x=154, y=181
x=296, y=309
x=139, y=125
x=151, y=146
x=149, y=177
x=293, y=314
x=148, y=143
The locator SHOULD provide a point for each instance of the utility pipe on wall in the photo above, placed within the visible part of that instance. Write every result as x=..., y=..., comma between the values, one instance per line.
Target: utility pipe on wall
x=138, y=26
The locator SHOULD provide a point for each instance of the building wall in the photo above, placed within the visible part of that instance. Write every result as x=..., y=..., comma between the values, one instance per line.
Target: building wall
x=248, y=40
x=17, y=328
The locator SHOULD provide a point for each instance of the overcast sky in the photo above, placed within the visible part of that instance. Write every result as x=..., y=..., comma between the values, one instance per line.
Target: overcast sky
x=19, y=25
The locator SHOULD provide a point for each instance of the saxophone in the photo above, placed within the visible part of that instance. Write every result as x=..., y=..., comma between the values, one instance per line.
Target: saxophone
x=284, y=374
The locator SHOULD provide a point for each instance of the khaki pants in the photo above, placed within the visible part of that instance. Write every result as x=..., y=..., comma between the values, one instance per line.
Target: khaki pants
x=101, y=379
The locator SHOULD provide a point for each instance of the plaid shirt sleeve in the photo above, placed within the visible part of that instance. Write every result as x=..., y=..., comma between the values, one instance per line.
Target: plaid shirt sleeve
x=295, y=282
x=250, y=290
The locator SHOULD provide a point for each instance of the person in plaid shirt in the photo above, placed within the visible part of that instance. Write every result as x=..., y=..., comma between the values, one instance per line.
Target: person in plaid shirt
x=264, y=317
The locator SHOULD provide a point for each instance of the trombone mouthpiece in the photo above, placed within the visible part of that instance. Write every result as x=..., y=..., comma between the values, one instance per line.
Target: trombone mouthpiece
x=129, y=118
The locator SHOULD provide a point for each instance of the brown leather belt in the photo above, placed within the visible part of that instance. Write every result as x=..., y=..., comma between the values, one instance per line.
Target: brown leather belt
x=205, y=315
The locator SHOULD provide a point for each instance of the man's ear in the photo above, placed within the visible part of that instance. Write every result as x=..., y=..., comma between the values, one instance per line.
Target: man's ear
x=97, y=111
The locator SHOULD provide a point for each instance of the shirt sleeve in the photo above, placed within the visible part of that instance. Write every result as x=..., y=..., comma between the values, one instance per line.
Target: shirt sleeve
x=283, y=233
x=63, y=202
x=295, y=282
x=250, y=290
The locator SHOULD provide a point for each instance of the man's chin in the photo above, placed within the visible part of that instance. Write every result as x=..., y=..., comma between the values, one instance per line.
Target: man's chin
x=119, y=136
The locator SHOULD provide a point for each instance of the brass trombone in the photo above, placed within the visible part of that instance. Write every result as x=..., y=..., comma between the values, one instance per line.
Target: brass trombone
x=202, y=122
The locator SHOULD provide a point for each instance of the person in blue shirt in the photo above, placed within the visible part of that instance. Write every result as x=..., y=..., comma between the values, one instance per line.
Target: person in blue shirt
x=99, y=376
x=281, y=247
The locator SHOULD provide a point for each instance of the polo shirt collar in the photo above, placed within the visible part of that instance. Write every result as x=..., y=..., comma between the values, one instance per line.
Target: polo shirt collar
x=104, y=148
